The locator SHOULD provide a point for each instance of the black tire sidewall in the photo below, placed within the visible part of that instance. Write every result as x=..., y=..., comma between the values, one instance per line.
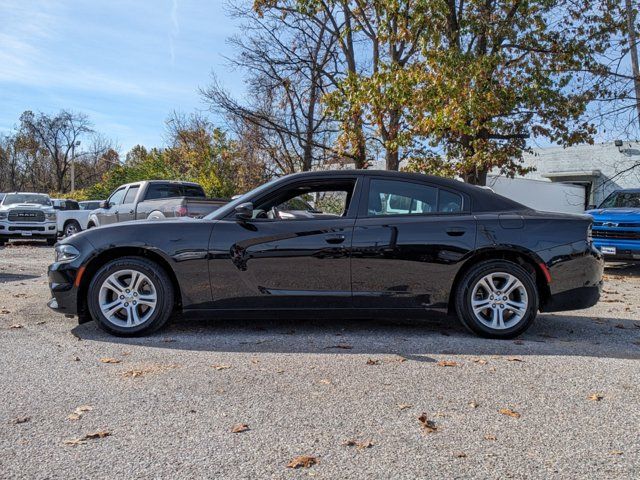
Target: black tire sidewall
x=463, y=298
x=161, y=282
x=68, y=224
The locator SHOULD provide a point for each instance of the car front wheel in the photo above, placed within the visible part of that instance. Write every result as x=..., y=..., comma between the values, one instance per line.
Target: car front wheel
x=131, y=296
x=497, y=299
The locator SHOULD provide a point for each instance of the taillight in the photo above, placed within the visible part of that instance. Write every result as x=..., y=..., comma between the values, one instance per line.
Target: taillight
x=181, y=211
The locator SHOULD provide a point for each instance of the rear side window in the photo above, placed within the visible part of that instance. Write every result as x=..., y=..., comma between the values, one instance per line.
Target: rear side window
x=390, y=197
x=192, y=191
x=131, y=194
x=163, y=190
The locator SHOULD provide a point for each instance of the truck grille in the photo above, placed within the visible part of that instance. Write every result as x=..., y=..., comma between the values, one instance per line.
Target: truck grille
x=621, y=234
x=26, y=216
x=26, y=229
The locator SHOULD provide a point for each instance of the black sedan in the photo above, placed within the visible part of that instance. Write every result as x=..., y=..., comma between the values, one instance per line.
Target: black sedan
x=362, y=242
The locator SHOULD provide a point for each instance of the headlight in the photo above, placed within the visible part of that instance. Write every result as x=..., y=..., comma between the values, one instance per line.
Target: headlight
x=4, y=215
x=66, y=253
x=50, y=215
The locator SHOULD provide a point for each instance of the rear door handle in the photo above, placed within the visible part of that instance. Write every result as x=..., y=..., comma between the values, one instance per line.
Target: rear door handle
x=456, y=232
x=130, y=212
x=334, y=238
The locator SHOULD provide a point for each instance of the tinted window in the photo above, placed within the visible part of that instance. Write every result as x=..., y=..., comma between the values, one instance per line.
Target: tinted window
x=449, y=202
x=388, y=197
x=131, y=194
x=162, y=190
x=116, y=198
x=89, y=205
x=192, y=191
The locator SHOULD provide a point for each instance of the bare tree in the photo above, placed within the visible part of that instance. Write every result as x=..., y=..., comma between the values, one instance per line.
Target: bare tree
x=289, y=60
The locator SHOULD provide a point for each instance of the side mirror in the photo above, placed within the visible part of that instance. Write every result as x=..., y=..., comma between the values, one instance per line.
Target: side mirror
x=244, y=211
x=105, y=204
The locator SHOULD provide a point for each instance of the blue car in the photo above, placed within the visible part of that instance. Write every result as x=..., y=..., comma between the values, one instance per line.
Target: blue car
x=616, y=226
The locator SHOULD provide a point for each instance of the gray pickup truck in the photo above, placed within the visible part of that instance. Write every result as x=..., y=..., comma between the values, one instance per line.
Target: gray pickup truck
x=154, y=200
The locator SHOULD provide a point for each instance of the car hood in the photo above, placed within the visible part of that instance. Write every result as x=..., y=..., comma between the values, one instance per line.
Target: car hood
x=615, y=214
x=26, y=206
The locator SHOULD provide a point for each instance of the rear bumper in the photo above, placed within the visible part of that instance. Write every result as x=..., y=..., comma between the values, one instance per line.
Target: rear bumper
x=576, y=299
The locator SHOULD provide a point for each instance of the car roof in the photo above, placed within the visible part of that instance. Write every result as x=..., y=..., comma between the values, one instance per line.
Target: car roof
x=482, y=199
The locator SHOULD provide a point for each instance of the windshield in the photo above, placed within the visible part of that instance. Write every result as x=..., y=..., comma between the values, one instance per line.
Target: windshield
x=622, y=200
x=15, y=198
x=229, y=207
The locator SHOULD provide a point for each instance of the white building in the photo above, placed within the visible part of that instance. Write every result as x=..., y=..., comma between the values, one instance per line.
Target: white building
x=600, y=168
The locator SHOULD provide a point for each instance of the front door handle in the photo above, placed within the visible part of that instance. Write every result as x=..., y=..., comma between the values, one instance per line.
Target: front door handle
x=334, y=239
x=456, y=232
x=130, y=212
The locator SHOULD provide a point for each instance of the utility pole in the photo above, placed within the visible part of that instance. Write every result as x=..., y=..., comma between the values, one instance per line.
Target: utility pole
x=73, y=165
x=633, y=49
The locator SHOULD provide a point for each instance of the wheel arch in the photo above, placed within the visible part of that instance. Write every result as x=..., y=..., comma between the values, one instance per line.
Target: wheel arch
x=525, y=258
x=114, y=253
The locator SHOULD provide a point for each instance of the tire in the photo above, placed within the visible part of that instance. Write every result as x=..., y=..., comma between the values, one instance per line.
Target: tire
x=153, y=282
x=71, y=228
x=90, y=225
x=51, y=241
x=2, y=242
x=495, y=317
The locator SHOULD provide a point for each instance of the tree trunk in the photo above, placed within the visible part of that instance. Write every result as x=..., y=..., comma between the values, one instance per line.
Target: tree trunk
x=633, y=48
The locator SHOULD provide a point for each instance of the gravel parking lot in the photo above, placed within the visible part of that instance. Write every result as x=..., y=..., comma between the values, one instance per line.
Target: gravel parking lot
x=562, y=401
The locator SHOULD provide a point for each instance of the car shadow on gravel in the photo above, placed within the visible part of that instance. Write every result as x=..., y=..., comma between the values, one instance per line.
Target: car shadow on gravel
x=622, y=269
x=413, y=339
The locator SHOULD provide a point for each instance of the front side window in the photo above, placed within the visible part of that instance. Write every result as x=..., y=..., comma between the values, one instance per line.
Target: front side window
x=390, y=197
x=308, y=201
x=117, y=197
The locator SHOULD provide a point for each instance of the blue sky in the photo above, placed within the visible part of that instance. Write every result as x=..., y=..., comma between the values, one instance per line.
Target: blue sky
x=126, y=64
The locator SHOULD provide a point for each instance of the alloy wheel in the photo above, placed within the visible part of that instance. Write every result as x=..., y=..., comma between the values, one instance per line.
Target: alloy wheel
x=499, y=300
x=127, y=298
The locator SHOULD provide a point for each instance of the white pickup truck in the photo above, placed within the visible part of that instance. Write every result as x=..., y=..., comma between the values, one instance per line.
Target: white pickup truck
x=27, y=216
x=72, y=218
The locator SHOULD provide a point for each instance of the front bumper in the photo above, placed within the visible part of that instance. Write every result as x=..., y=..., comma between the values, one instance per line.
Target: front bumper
x=28, y=229
x=625, y=250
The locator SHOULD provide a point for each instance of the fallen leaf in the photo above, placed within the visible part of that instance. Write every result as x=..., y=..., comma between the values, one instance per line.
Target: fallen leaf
x=427, y=425
x=20, y=295
x=344, y=346
x=509, y=412
x=220, y=367
x=480, y=361
x=359, y=445
x=596, y=397
x=76, y=358
x=16, y=325
x=89, y=436
x=19, y=420
x=447, y=363
x=139, y=372
x=303, y=461
x=620, y=326
x=404, y=406
x=78, y=412
x=325, y=381
x=239, y=428
x=514, y=359
x=4, y=311
x=460, y=455
x=42, y=322
x=168, y=340
x=616, y=452
x=371, y=361
x=518, y=342
x=474, y=404
x=109, y=360
x=490, y=437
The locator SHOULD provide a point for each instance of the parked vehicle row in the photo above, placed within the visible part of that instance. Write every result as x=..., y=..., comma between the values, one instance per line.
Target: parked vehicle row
x=359, y=242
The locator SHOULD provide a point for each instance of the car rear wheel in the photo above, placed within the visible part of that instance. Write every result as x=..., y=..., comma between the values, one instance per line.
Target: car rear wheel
x=497, y=299
x=131, y=296
x=71, y=228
